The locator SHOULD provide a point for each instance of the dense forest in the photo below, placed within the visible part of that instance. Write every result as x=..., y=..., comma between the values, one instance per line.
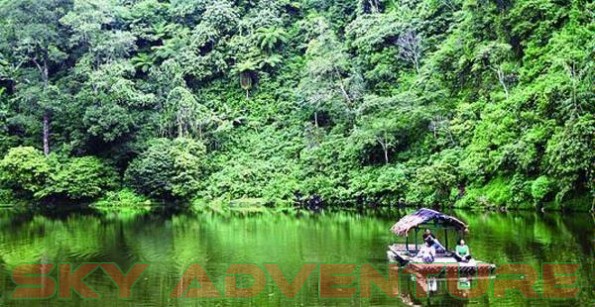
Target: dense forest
x=219, y=103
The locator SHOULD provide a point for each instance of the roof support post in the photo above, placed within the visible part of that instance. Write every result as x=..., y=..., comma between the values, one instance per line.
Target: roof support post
x=446, y=238
x=416, y=229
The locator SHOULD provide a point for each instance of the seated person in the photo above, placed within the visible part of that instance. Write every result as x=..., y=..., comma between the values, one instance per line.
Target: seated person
x=428, y=236
x=427, y=253
x=462, y=253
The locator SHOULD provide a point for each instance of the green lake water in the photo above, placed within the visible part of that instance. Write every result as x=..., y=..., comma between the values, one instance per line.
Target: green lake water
x=171, y=242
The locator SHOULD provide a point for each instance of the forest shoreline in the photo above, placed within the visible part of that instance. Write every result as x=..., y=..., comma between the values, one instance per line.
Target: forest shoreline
x=217, y=206
x=246, y=103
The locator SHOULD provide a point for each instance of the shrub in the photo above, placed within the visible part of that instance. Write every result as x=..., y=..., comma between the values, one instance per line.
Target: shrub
x=24, y=170
x=540, y=188
x=497, y=192
x=124, y=200
x=386, y=184
x=6, y=197
x=168, y=169
x=28, y=173
x=79, y=178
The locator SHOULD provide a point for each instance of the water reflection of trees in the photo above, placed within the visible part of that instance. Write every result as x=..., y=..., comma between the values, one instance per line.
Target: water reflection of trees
x=171, y=242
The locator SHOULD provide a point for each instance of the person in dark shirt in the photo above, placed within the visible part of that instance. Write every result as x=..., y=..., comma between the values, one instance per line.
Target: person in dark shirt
x=428, y=235
x=430, y=238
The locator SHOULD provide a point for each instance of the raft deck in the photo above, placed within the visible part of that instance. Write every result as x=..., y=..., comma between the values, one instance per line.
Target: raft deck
x=444, y=262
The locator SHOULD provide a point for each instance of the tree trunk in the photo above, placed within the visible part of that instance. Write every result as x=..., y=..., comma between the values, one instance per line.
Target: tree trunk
x=501, y=76
x=374, y=6
x=384, y=146
x=386, y=156
x=342, y=87
x=45, y=75
x=46, y=133
x=416, y=63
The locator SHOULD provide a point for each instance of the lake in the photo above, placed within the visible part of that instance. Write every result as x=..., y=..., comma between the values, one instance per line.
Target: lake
x=168, y=243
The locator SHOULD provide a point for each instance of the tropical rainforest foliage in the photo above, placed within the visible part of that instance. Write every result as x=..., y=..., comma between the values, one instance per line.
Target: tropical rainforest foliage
x=336, y=102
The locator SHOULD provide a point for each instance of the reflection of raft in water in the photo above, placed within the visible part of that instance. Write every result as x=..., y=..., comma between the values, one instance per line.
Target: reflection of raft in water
x=417, y=290
x=444, y=263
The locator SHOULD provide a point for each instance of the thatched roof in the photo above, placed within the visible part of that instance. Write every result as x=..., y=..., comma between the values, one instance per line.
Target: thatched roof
x=422, y=216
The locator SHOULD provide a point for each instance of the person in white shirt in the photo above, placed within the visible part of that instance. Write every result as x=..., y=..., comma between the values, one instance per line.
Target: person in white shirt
x=427, y=253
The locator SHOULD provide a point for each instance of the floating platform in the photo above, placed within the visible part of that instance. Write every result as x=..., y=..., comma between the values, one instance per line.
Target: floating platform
x=445, y=262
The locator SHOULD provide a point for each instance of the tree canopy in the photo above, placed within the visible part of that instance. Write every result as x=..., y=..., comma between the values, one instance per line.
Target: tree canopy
x=465, y=102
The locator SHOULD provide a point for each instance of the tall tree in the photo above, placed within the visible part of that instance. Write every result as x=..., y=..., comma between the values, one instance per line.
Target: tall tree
x=410, y=48
x=98, y=29
x=185, y=115
x=32, y=36
x=330, y=80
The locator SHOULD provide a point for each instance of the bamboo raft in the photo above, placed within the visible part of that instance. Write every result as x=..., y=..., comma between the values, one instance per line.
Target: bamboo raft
x=398, y=253
x=444, y=262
